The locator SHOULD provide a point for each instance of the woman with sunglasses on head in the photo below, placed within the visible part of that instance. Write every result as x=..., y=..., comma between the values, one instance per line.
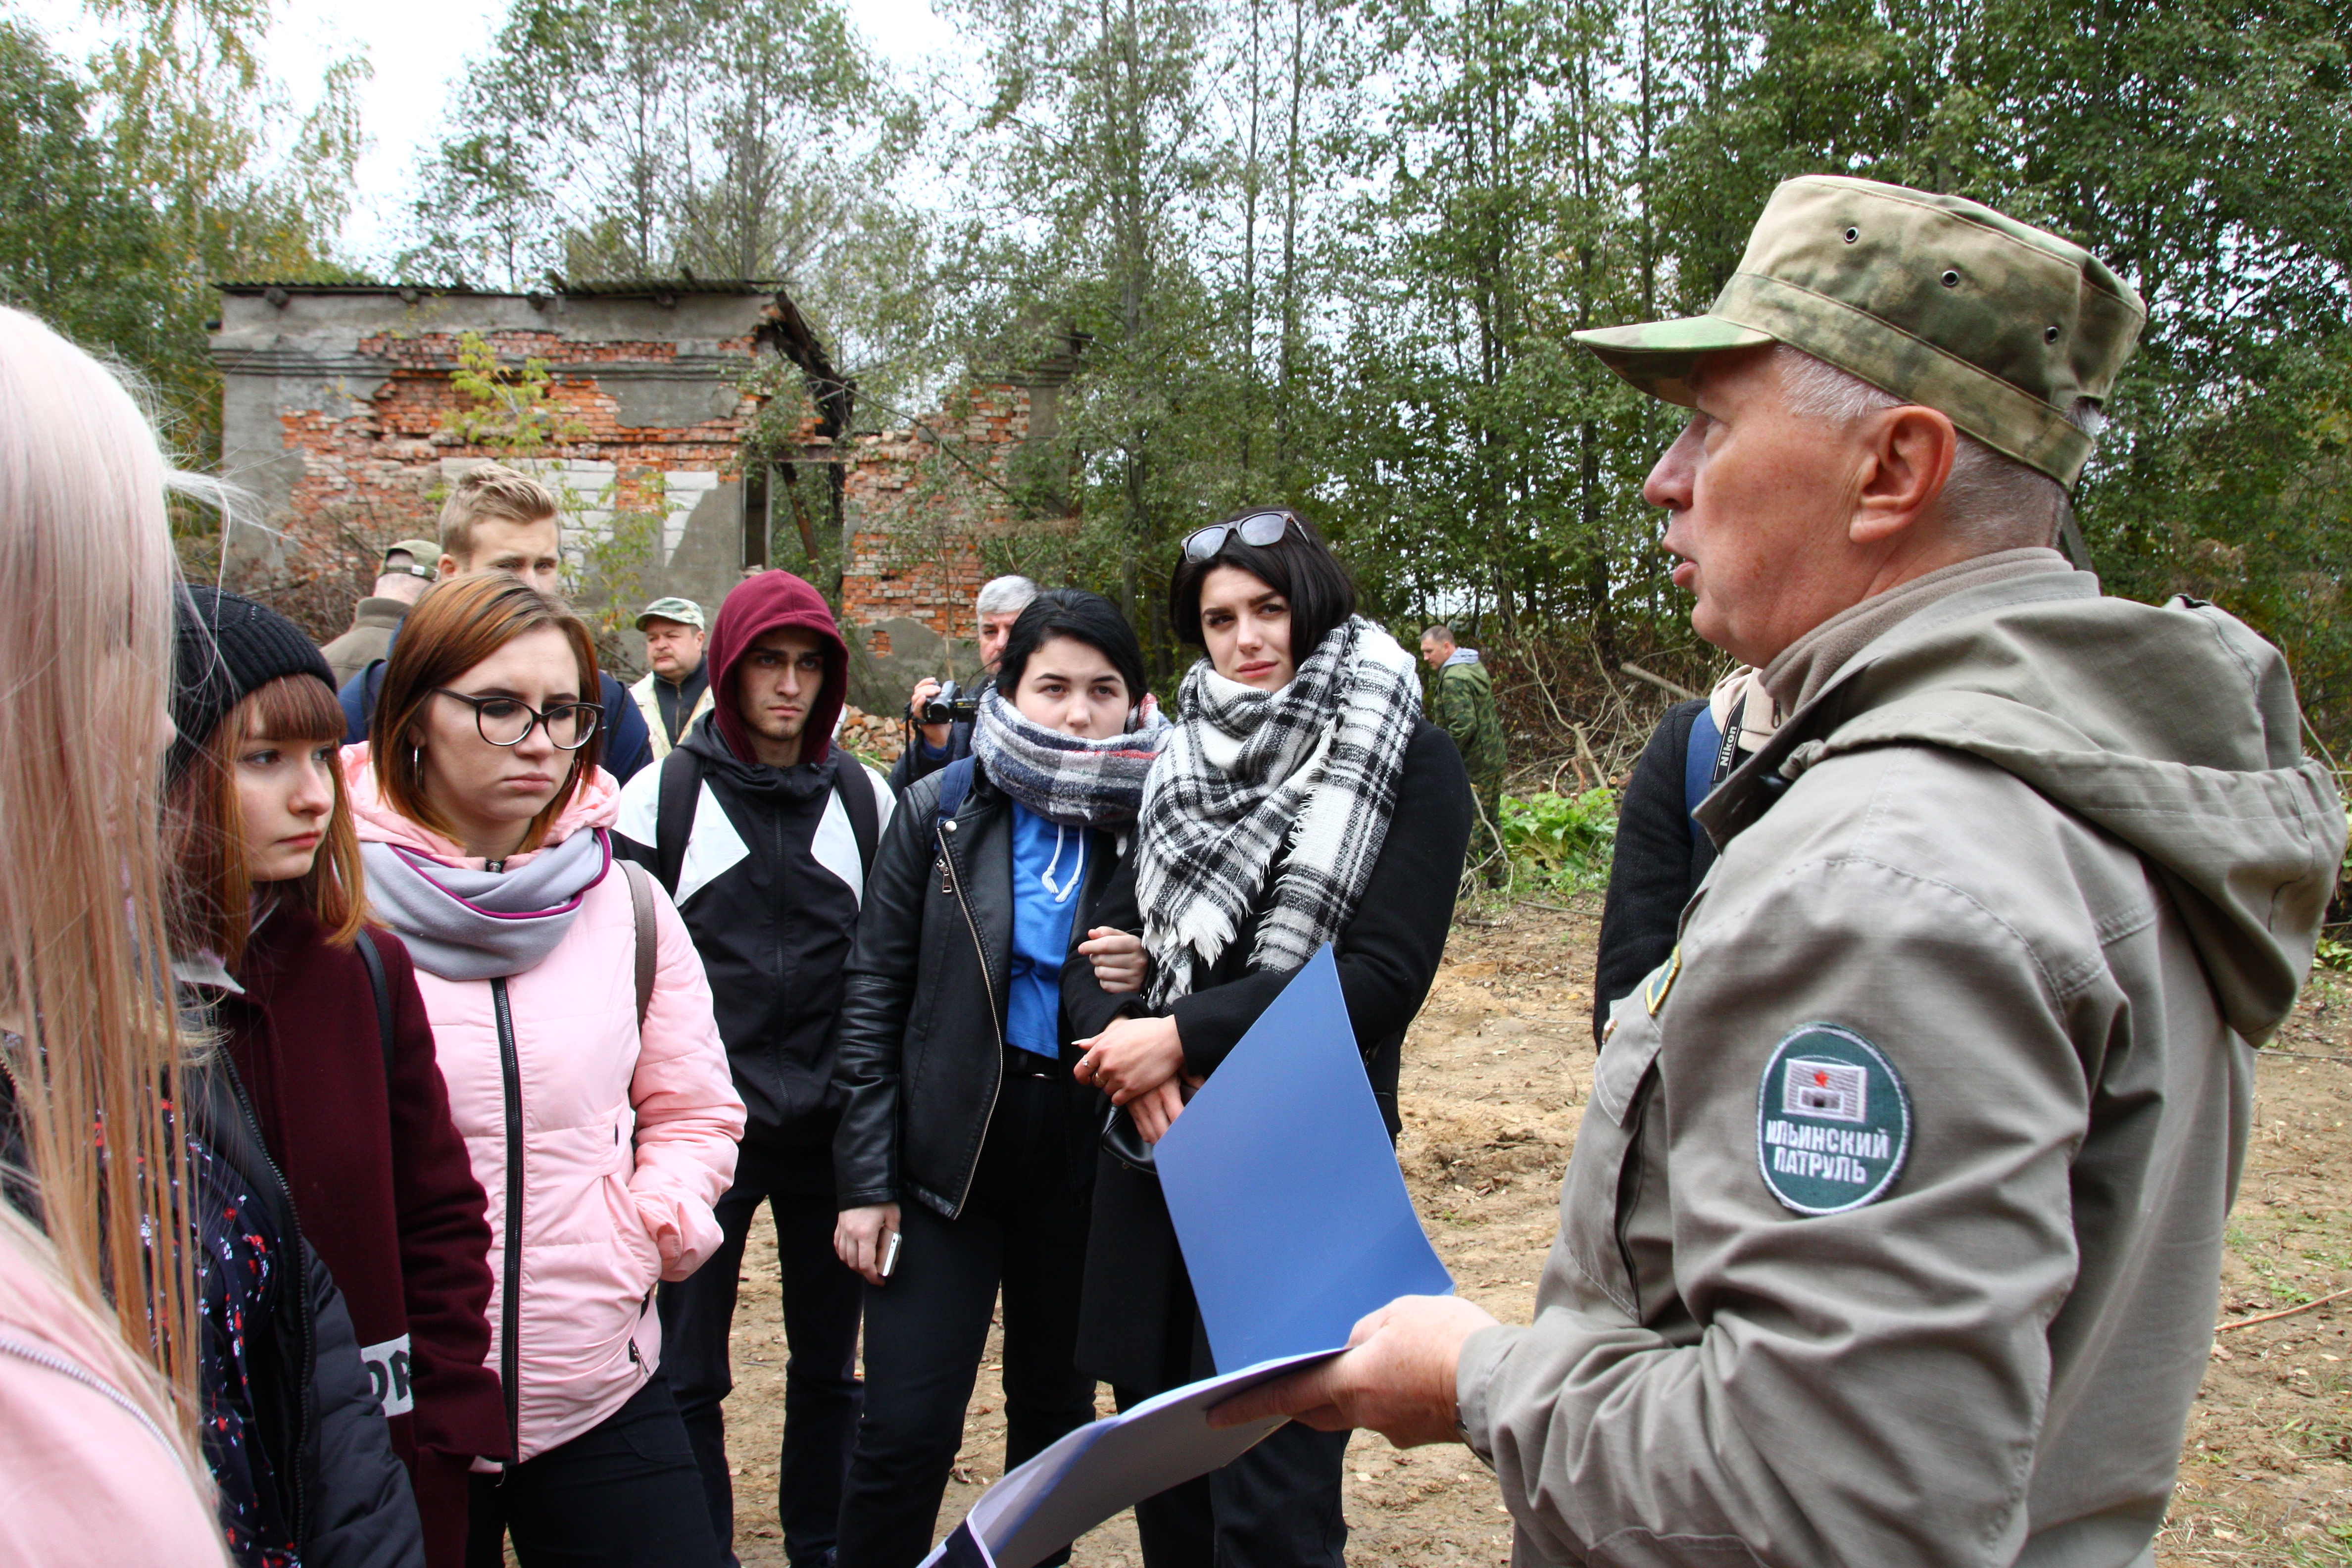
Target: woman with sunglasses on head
x=1303, y=799
x=328, y=1034
x=573, y=1026
x=965, y=1150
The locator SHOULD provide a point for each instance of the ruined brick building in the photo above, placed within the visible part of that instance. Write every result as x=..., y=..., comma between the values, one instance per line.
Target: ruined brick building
x=695, y=430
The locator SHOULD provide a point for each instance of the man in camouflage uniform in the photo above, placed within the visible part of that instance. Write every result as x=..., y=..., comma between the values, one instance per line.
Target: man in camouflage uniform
x=1462, y=704
x=1892, y=1230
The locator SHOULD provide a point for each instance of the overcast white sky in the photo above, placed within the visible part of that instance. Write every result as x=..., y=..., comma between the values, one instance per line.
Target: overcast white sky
x=418, y=48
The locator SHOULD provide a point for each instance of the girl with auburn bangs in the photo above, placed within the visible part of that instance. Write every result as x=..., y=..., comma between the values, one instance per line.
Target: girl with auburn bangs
x=573, y=1025
x=329, y=1035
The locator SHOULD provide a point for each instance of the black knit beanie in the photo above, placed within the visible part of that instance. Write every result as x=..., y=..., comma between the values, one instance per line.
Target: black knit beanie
x=226, y=647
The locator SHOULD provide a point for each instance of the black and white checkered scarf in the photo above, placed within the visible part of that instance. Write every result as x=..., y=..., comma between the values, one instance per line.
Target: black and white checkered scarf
x=1306, y=775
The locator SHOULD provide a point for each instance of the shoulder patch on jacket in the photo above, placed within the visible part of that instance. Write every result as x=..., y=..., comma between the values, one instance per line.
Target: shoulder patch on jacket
x=1833, y=1121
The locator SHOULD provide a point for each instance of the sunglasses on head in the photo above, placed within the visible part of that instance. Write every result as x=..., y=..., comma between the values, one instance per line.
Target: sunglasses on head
x=1259, y=528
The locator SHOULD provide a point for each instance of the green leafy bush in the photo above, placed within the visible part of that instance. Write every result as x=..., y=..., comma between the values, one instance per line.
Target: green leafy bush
x=1561, y=841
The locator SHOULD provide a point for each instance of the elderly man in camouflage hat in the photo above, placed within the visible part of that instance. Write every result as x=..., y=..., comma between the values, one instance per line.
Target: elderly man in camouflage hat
x=675, y=691
x=1893, y=1229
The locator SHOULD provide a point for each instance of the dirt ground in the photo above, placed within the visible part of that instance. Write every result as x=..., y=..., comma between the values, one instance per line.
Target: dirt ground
x=1496, y=1073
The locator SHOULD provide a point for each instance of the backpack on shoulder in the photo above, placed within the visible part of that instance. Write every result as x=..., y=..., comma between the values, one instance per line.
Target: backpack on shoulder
x=681, y=793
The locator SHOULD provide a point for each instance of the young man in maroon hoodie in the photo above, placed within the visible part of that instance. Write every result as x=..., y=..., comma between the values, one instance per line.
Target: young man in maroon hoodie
x=763, y=831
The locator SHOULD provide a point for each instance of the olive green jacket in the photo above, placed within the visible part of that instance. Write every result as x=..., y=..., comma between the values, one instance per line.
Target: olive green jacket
x=1943, y=1297
x=1462, y=704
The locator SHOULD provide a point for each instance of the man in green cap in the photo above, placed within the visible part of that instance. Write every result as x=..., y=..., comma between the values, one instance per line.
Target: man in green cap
x=675, y=692
x=1892, y=1230
x=1462, y=704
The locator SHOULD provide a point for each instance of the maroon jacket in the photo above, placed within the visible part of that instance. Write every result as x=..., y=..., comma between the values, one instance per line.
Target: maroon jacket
x=379, y=1175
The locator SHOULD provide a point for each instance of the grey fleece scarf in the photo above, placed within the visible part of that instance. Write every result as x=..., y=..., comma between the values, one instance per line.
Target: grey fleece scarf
x=463, y=924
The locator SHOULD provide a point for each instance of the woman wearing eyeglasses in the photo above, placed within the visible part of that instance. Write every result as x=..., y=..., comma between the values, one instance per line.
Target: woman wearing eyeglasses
x=1303, y=799
x=573, y=1025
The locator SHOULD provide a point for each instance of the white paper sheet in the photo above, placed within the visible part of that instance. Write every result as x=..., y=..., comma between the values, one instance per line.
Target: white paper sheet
x=1115, y=1463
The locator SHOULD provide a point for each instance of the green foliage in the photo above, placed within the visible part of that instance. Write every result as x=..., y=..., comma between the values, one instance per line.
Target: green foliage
x=1360, y=303
x=627, y=139
x=1561, y=841
x=132, y=181
x=77, y=245
x=510, y=410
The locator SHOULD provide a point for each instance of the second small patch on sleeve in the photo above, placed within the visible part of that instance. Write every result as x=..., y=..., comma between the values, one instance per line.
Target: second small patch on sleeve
x=1833, y=1121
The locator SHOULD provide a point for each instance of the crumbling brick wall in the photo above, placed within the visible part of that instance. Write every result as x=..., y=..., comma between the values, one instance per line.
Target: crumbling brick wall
x=918, y=502
x=339, y=417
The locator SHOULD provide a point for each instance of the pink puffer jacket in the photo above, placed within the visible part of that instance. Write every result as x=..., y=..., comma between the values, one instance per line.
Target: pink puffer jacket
x=86, y=1477
x=627, y=1143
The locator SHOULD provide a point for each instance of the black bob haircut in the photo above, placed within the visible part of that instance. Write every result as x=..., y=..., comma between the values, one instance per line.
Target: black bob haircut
x=1072, y=613
x=1299, y=566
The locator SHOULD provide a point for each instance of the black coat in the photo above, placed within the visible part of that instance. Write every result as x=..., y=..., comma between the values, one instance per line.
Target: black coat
x=313, y=1403
x=1659, y=861
x=920, y=1054
x=315, y=1410
x=1136, y=1323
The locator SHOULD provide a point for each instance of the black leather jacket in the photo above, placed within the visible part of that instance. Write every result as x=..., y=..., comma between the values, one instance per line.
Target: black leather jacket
x=920, y=1056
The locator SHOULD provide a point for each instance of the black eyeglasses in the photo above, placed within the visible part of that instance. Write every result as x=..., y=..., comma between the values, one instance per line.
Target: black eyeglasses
x=506, y=722
x=1259, y=528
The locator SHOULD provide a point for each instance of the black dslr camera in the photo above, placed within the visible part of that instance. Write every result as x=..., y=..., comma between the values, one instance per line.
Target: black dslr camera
x=950, y=705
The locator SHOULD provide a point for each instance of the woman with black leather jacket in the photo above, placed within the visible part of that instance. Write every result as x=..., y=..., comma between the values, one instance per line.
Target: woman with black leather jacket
x=965, y=1150
x=1302, y=799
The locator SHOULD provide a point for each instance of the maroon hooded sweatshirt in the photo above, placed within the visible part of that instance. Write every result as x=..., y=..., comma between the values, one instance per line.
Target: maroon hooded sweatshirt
x=757, y=607
x=773, y=929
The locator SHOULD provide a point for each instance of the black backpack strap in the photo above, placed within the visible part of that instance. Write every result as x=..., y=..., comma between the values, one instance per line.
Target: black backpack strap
x=681, y=789
x=373, y=960
x=857, y=800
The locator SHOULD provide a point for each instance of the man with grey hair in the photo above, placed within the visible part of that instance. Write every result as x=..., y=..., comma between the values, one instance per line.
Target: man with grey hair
x=1893, y=1229
x=931, y=747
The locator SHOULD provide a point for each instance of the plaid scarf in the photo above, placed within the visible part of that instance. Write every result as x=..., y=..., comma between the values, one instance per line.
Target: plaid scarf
x=1306, y=775
x=1069, y=781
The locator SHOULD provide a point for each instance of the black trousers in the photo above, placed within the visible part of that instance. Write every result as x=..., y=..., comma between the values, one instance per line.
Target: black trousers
x=1277, y=1506
x=623, y=1494
x=820, y=1391
x=1024, y=1229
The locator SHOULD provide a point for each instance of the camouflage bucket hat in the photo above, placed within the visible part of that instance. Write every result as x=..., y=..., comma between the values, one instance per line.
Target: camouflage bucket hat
x=685, y=612
x=1937, y=299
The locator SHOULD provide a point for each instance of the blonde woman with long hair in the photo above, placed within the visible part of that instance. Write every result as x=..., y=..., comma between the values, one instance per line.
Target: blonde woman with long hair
x=98, y=1337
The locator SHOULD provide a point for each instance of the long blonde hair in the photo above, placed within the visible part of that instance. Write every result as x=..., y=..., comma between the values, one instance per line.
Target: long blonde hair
x=86, y=576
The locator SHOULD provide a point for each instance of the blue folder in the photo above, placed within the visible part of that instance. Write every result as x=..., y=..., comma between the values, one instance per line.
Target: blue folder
x=1287, y=1200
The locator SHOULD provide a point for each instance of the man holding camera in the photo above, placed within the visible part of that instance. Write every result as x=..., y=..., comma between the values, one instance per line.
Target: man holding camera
x=1893, y=1229
x=933, y=746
